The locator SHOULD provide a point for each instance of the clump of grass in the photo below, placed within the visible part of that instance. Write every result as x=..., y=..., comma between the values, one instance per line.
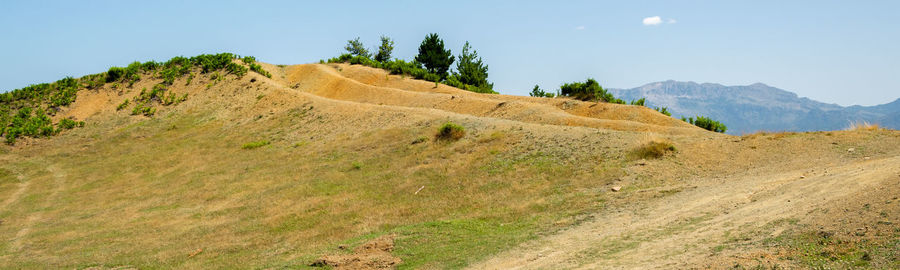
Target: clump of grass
x=419, y=140
x=863, y=126
x=122, y=105
x=256, y=144
x=653, y=149
x=450, y=132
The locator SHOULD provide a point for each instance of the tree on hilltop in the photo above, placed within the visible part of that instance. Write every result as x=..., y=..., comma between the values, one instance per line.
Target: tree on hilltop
x=434, y=57
x=384, y=51
x=472, y=70
x=355, y=47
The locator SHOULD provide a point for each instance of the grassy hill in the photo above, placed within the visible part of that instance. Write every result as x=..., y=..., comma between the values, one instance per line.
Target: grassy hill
x=320, y=164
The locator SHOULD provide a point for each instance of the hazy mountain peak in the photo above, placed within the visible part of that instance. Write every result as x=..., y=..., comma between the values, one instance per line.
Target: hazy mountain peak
x=758, y=106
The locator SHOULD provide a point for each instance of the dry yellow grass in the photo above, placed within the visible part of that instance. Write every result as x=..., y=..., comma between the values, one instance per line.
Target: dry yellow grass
x=653, y=148
x=346, y=163
x=863, y=126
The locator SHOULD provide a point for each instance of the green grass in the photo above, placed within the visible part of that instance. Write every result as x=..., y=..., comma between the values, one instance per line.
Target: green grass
x=255, y=144
x=829, y=251
x=453, y=244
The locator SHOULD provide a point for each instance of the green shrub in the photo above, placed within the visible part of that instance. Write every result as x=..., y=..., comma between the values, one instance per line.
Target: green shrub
x=66, y=91
x=256, y=144
x=122, y=105
x=114, y=74
x=588, y=90
x=639, y=102
x=709, y=124
x=150, y=66
x=663, y=110
x=235, y=69
x=450, y=132
x=258, y=69
x=538, y=92
x=248, y=60
x=66, y=124
x=138, y=109
x=28, y=122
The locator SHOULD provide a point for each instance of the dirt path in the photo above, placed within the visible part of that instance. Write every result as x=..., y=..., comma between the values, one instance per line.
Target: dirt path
x=679, y=229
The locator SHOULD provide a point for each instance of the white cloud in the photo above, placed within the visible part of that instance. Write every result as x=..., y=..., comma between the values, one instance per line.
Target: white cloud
x=655, y=20
x=580, y=27
x=671, y=21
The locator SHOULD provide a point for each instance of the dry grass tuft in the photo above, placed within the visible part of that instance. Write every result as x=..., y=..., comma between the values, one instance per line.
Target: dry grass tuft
x=863, y=126
x=450, y=132
x=655, y=148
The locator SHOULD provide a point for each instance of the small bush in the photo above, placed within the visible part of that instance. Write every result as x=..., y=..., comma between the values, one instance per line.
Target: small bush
x=66, y=124
x=709, y=124
x=256, y=144
x=258, y=69
x=122, y=105
x=235, y=69
x=663, y=110
x=538, y=92
x=588, y=90
x=114, y=74
x=450, y=132
x=653, y=149
x=639, y=102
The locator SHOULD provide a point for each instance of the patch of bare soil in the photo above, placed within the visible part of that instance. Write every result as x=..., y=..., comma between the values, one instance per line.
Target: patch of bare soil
x=375, y=254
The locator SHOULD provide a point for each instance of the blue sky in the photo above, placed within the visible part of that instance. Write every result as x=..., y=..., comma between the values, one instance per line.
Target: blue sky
x=843, y=52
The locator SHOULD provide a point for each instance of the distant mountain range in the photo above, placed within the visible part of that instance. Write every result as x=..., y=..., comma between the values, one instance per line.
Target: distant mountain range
x=756, y=107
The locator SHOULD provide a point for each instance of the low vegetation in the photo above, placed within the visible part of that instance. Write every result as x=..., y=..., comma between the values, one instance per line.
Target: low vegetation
x=653, y=149
x=538, y=92
x=706, y=123
x=450, y=132
x=663, y=110
x=588, y=90
x=28, y=111
x=863, y=126
x=254, y=145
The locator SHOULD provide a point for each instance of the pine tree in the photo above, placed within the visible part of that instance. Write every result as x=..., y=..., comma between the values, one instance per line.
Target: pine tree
x=384, y=51
x=434, y=57
x=472, y=70
x=355, y=47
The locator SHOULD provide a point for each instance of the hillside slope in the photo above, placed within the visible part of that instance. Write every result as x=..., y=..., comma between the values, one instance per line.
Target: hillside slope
x=321, y=162
x=758, y=107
